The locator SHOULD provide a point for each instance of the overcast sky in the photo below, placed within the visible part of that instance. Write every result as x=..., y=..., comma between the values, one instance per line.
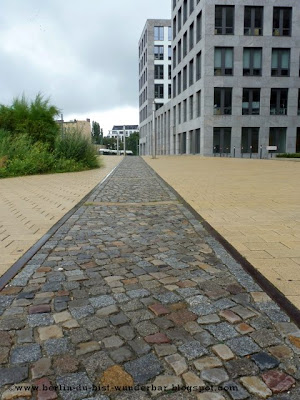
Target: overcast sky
x=81, y=53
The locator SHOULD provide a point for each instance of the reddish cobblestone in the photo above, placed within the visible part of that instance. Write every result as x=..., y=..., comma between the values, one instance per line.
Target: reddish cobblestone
x=278, y=381
x=159, y=309
x=44, y=390
x=157, y=338
x=182, y=317
x=40, y=309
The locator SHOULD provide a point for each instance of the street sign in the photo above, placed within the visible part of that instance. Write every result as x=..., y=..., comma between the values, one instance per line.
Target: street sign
x=271, y=148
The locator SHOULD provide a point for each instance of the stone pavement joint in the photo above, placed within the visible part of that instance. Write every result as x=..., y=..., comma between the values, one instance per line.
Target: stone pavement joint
x=139, y=302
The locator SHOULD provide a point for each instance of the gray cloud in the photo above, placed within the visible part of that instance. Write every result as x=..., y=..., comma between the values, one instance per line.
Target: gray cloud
x=82, y=53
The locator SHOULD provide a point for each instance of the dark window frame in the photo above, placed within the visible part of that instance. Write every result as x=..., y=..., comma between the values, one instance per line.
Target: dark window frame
x=251, y=71
x=252, y=29
x=222, y=109
x=252, y=139
x=251, y=94
x=276, y=101
x=223, y=29
x=278, y=71
x=223, y=70
x=280, y=30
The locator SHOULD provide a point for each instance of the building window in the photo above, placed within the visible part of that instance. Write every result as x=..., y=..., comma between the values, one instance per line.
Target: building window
x=198, y=98
x=191, y=72
x=184, y=80
x=199, y=27
x=192, y=6
x=191, y=107
x=252, y=61
x=174, y=87
x=169, y=53
x=158, y=52
x=253, y=21
x=280, y=62
x=191, y=36
x=174, y=3
x=174, y=57
x=223, y=60
x=222, y=101
x=279, y=102
x=169, y=91
x=222, y=140
x=158, y=33
x=184, y=44
x=282, y=21
x=179, y=113
x=158, y=105
x=179, y=51
x=298, y=141
x=158, y=72
x=224, y=20
x=179, y=19
x=169, y=33
x=198, y=66
x=298, y=101
x=278, y=138
x=159, y=91
x=251, y=101
x=169, y=72
x=250, y=140
x=184, y=110
x=179, y=83
x=185, y=11
x=174, y=27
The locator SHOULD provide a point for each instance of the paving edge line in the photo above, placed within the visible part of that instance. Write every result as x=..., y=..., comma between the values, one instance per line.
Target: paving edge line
x=27, y=256
x=276, y=295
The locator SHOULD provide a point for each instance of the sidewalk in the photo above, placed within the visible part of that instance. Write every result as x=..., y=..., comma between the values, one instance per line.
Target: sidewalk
x=31, y=205
x=132, y=293
x=253, y=204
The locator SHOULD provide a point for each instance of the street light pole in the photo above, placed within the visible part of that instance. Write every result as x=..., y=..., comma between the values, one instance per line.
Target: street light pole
x=153, y=131
x=124, y=134
x=118, y=153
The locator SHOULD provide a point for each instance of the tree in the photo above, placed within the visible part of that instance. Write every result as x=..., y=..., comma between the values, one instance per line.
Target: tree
x=132, y=142
x=35, y=119
x=97, y=133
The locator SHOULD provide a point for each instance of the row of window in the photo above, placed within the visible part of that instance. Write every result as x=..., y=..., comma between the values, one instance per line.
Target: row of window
x=252, y=61
x=251, y=101
x=143, y=60
x=182, y=76
x=143, y=79
x=253, y=20
x=250, y=142
x=159, y=71
x=159, y=91
x=143, y=42
x=186, y=110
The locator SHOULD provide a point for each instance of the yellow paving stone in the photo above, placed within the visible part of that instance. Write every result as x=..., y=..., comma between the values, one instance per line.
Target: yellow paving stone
x=31, y=205
x=239, y=199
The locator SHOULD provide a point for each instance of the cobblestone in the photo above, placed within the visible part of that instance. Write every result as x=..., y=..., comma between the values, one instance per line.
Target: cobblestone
x=154, y=294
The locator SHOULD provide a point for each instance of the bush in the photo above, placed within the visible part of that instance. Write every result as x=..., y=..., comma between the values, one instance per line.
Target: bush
x=289, y=155
x=74, y=146
x=35, y=119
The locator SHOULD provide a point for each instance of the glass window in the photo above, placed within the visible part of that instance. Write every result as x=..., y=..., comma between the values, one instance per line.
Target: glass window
x=158, y=72
x=169, y=71
x=251, y=101
x=223, y=61
x=198, y=96
x=224, y=20
x=169, y=33
x=179, y=83
x=158, y=33
x=184, y=110
x=191, y=72
x=222, y=140
x=169, y=53
x=159, y=91
x=250, y=139
x=179, y=113
x=253, y=21
x=169, y=91
x=279, y=101
x=174, y=87
x=185, y=11
x=199, y=27
x=184, y=78
x=191, y=107
x=192, y=6
x=282, y=21
x=277, y=138
x=280, y=62
x=179, y=19
x=184, y=44
x=252, y=61
x=179, y=51
x=222, y=101
x=191, y=36
x=198, y=66
x=174, y=57
x=158, y=52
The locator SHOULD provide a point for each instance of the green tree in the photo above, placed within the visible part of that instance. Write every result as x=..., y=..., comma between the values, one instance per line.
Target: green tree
x=35, y=119
x=132, y=142
x=97, y=133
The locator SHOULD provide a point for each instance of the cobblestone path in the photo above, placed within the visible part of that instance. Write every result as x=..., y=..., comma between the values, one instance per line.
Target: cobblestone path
x=133, y=292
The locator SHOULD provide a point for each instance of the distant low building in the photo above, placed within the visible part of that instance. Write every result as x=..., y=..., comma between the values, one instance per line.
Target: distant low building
x=84, y=127
x=118, y=130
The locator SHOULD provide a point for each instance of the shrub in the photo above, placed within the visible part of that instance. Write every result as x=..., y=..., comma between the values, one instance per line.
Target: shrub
x=35, y=119
x=289, y=155
x=74, y=146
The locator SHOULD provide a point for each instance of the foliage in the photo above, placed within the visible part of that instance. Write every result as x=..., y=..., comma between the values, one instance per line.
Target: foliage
x=74, y=146
x=111, y=143
x=289, y=155
x=132, y=142
x=35, y=119
x=97, y=133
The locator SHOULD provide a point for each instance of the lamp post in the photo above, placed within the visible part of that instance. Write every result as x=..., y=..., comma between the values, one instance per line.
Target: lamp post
x=153, y=131
x=124, y=135
x=118, y=152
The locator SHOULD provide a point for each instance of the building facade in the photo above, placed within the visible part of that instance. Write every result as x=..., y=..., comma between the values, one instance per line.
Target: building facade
x=83, y=127
x=118, y=131
x=154, y=74
x=235, y=79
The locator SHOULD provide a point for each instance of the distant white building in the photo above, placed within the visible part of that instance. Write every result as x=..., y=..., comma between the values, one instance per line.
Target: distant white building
x=118, y=130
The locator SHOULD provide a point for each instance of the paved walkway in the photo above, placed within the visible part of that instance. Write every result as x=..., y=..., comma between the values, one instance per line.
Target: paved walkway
x=254, y=204
x=31, y=205
x=132, y=293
